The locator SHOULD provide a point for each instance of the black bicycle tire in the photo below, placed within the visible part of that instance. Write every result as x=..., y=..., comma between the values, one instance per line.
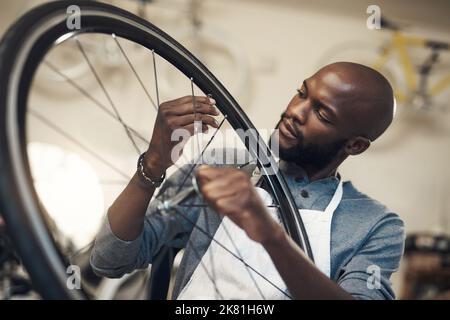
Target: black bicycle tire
x=21, y=51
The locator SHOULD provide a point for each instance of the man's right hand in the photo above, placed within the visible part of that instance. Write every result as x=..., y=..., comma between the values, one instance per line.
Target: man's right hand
x=172, y=115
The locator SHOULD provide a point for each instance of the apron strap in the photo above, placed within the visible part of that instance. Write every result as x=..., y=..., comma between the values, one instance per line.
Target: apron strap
x=337, y=197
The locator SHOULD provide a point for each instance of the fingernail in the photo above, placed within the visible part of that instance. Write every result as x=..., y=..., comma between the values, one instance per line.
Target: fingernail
x=216, y=123
x=212, y=101
x=216, y=111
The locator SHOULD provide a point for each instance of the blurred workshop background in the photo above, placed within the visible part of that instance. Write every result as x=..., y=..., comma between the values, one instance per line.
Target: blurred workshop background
x=262, y=50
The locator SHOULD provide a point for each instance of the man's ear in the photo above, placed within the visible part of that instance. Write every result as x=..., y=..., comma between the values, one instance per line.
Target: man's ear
x=357, y=145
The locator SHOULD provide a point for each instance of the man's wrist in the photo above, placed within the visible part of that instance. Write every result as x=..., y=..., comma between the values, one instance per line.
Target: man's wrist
x=276, y=239
x=153, y=165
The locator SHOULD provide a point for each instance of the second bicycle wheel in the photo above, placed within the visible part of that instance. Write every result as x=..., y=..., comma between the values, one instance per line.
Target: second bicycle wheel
x=26, y=47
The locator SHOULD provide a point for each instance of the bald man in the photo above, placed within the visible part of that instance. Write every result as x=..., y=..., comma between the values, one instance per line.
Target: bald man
x=357, y=243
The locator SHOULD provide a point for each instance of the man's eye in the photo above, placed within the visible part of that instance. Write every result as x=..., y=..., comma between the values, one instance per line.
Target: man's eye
x=320, y=116
x=301, y=93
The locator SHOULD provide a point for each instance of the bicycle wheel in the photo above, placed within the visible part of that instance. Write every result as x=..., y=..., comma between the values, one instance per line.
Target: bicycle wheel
x=22, y=50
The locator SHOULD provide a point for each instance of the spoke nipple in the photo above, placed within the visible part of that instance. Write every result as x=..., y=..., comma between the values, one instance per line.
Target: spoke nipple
x=113, y=35
x=192, y=79
x=164, y=207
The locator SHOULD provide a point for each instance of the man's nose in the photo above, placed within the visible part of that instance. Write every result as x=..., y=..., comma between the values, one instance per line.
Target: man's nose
x=300, y=112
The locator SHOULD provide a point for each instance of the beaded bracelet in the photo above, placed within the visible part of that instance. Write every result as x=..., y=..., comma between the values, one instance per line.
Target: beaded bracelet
x=144, y=180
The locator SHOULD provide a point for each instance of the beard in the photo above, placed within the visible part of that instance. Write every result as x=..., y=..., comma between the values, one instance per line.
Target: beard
x=315, y=155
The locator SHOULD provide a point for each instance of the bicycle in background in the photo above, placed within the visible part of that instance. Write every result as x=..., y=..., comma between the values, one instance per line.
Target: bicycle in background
x=418, y=69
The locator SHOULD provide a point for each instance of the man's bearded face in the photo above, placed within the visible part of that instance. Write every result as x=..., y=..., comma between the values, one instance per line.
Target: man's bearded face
x=308, y=154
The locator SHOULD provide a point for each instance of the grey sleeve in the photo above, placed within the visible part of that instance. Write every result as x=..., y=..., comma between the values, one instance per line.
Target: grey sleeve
x=113, y=257
x=367, y=275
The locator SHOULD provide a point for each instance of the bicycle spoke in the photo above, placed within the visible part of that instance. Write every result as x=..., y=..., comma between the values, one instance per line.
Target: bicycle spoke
x=101, y=106
x=195, y=251
x=202, y=264
x=238, y=254
x=135, y=72
x=242, y=258
x=211, y=259
x=133, y=69
x=99, y=81
x=180, y=197
x=229, y=251
x=201, y=155
x=79, y=144
x=203, y=205
x=196, y=124
x=92, y=99
x=155, y=75
x=246, y=164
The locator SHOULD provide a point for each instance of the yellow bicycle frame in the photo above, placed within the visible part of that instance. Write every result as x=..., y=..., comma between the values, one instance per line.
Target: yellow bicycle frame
x=400, y=44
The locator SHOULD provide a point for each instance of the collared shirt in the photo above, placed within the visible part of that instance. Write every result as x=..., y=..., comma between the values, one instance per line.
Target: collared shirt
x=367, y=239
